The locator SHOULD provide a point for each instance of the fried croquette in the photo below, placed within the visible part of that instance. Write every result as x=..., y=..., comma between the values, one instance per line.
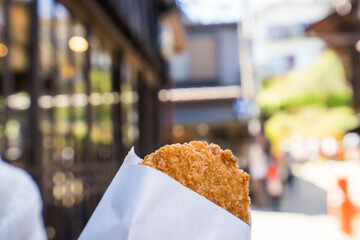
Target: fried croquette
x=207, y=170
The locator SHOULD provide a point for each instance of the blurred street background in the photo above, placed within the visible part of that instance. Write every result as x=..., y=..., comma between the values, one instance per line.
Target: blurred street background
x=275, y=81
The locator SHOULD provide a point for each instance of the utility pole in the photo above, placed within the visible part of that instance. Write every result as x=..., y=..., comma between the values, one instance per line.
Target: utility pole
x=245, y=52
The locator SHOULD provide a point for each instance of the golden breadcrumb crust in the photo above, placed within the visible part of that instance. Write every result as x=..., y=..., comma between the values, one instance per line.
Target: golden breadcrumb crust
x=207, y=170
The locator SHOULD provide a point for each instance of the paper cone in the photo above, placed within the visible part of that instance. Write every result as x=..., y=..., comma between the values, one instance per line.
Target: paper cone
x=143, y=203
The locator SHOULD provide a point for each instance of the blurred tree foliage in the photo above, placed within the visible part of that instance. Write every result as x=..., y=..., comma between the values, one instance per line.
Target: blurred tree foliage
x=309, y=121
x=323, y=85
x=312, y=102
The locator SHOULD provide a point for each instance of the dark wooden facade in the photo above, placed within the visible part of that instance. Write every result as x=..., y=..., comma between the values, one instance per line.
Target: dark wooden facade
x=69, y=116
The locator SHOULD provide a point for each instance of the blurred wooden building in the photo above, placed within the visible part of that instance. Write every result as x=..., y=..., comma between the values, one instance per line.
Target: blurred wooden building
x=207, y=93
x=79, y=84
x=340, y=30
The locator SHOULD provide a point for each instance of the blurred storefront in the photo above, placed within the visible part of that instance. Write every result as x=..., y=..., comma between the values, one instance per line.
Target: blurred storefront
x=79, y=86
x=207, y=96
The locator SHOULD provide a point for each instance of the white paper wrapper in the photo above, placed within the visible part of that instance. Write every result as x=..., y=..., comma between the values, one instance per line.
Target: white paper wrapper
x=143, y=203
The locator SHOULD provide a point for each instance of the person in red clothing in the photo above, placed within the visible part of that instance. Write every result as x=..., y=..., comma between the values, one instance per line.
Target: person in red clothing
x=347, y=209
x=274, y=185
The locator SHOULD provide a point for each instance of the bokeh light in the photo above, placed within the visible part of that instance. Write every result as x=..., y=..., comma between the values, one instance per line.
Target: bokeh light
x=78, y=44
x=3, y=50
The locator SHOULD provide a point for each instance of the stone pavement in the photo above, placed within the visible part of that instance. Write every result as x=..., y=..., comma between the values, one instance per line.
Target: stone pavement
x=294, y=226
x=302, y=211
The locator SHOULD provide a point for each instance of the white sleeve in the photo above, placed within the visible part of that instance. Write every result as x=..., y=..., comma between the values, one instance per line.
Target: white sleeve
x=20, y=205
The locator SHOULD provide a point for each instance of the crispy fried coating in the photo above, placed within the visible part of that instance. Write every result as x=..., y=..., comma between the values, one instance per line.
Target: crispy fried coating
x=207, y=170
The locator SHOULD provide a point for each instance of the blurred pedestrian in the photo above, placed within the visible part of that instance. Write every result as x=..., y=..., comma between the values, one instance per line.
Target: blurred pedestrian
x=20, y=205
x=274, y=185
x=287, y=174
x=258, y=169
